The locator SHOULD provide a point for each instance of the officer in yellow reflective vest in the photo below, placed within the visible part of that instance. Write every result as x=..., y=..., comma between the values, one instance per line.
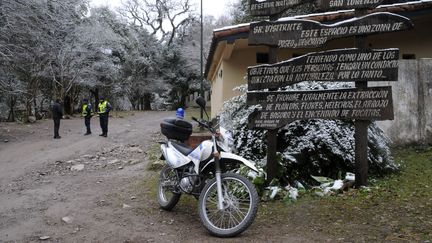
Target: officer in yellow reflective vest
x=104, y=108
x=87, y=113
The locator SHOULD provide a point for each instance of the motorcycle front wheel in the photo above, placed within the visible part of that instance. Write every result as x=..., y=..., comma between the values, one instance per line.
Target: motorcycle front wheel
x=166, y=195
x=240, y=205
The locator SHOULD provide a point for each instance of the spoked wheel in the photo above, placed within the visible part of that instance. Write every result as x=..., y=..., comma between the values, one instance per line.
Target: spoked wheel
x=167, y=195
x=240, y=206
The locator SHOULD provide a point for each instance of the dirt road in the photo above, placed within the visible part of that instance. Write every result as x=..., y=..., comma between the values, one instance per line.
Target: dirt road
x=93, y=189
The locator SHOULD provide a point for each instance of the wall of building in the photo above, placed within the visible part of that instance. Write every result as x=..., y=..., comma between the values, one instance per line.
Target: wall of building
x=231, y=74
x=217, y=97
x=412, y=102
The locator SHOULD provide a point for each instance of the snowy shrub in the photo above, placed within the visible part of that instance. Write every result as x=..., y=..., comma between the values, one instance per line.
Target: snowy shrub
x=159, y=103
x=307, y=147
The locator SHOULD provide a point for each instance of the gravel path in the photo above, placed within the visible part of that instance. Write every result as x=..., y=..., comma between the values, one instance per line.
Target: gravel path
x=94, y=189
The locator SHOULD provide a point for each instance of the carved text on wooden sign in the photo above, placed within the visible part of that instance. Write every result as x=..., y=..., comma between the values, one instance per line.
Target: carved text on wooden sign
x=272, y=7
x=309, y=34
x=346, y=4
x=346, y=65
x=281, y=107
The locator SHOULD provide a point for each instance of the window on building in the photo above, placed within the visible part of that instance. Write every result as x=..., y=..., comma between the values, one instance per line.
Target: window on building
x=262, y=57
x=408, y=56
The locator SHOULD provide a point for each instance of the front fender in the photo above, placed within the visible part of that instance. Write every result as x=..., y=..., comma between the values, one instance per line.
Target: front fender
x=225, y=155
x=230, y=156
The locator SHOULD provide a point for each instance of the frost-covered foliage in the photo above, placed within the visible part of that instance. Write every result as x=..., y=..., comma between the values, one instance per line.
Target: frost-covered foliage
x=160, y=103
x=309, y=147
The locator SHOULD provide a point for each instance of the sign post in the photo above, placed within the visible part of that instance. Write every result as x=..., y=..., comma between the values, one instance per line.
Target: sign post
x=272, y=165
x=361, y=127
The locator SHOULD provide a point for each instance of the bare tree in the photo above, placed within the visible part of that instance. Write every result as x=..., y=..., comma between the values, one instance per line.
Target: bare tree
x=163, y=18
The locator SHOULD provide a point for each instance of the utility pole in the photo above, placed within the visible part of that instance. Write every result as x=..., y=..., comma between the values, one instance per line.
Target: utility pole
x=201, y=62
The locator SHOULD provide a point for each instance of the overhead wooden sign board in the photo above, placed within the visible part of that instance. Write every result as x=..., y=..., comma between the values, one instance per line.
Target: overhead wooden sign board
x=347, y=4
x=345, y=65
x=281, y=107
x=272, y=7
x=310, y=34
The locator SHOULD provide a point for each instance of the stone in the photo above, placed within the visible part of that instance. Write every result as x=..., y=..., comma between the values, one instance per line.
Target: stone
x=6, y=141
x=126, y=206
x=133, y=198
x=67, y=220
x=88, y=156
x=134, y=161
x=120, y=168
x=115, y=161
x=78, y=167
x=32, y=119
x=136, y=150
x=45, y=237
x=70, y=161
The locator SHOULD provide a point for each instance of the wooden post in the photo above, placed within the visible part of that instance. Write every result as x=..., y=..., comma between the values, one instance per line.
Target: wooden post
x=361, y=127
x=272, y=134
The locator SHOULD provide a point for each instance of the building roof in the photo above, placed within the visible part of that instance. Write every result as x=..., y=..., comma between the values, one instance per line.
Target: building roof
x=241, y=31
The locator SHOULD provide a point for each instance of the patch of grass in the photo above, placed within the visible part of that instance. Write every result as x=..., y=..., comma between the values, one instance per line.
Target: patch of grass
x=123, y=114
x=395, y=208
x=153, y=156
x=192, y=112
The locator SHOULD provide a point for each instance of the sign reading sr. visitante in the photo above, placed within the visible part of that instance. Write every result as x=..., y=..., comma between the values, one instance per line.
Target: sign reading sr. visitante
x=296, y=33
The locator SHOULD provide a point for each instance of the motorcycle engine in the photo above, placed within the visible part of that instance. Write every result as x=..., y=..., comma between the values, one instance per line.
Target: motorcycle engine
x=188, y=181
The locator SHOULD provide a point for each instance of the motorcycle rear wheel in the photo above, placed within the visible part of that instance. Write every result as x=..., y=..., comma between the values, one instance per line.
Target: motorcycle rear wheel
x=240, y=206
x=166, y=195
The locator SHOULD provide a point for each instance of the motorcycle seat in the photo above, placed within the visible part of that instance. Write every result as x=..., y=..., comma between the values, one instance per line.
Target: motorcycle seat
x=182, y=148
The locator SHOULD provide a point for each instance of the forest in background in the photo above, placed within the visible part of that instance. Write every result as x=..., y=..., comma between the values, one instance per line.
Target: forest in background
x=143, y=52
x=141, y=56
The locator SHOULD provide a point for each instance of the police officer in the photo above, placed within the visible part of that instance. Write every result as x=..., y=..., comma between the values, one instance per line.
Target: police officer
x=57, y=114
x=87, y=113
x=103, y=110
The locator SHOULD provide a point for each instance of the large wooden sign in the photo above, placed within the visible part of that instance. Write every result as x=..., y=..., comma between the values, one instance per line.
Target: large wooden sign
x=346, y=65
x=347, y=4
x=309, y=34
x=281, y=107
x=272, y=7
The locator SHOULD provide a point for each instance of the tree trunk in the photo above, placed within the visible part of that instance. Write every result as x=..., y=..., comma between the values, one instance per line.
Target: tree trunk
x=35, y=108
x=95, y=93
x=147, y=101
x=12, y=103
x=28, y=112
x=141, y=103
x=67, y=105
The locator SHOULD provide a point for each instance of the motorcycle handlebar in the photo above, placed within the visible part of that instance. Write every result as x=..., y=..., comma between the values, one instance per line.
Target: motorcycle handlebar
x=204, y=124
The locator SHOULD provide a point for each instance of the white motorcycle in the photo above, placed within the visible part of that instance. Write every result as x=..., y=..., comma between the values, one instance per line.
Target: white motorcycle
x=228, y=202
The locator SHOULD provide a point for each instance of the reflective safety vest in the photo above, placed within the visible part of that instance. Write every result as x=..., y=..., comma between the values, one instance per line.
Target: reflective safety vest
x=103, y=107
x=84, y=110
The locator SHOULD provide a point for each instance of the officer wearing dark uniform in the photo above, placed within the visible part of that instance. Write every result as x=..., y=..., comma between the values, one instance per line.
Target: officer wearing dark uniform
x=87, y=113
x=103, y=110
x=57, y=114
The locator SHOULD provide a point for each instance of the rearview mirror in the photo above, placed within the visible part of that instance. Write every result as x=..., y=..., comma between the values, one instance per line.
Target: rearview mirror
x=201, y=102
